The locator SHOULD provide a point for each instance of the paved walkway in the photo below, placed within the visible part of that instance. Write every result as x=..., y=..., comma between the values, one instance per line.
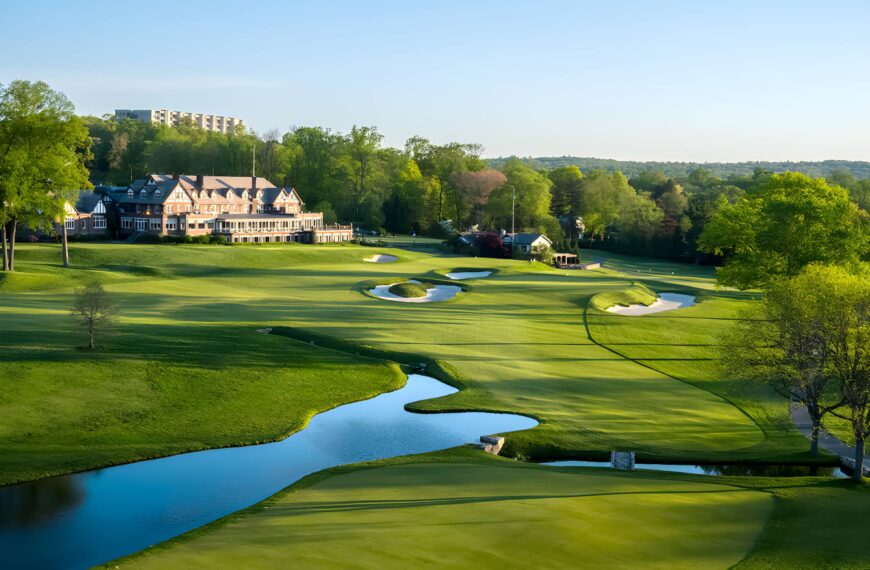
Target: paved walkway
x=828, y=442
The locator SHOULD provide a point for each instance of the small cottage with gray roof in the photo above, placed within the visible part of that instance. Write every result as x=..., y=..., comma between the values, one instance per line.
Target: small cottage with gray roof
x=527, y=245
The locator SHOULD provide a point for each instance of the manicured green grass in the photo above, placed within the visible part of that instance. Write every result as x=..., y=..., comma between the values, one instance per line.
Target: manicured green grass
x=515, y=340
x=817, y=524
x=683, y=345
x=637, y=294
x=187, y=370
x=484, y=513
x=410, y=290
x=160, y=384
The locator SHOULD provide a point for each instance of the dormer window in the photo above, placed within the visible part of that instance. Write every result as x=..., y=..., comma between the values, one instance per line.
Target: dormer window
x=151, y=182
x=142, y=192
x=129, y=192
x=157, y=192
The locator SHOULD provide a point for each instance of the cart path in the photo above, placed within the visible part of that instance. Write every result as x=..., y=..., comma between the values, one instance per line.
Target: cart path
x=828, y=442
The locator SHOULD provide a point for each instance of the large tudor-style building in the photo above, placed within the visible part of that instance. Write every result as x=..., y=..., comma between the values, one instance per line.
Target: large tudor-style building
x=87, y=217
x=240, y=208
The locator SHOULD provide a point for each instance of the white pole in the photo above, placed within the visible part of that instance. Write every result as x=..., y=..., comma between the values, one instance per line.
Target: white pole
x=513, y=211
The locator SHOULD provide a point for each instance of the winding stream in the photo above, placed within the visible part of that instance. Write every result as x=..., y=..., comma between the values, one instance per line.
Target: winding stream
x=79, y=520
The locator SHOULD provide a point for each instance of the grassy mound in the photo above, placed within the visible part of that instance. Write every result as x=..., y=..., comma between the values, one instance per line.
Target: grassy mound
x=410, y=290
x=637, y=294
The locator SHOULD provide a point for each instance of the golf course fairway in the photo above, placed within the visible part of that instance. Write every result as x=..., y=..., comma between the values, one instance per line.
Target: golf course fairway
x=185, y=369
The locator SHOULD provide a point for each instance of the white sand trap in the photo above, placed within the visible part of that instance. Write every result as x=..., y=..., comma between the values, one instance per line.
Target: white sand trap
x=665, y=302
x=458, y=275
x=381, y=258
x=436, y=293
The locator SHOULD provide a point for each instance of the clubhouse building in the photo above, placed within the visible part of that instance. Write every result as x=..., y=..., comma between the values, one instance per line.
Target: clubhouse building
x=243, y=209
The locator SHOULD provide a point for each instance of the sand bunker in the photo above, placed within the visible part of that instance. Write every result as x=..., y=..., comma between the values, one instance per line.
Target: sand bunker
x=457, y=275
x=665, y=302
x=381, y=258
x=436, y=293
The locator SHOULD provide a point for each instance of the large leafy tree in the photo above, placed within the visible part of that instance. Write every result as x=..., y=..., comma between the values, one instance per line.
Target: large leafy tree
x=605, y=197
x=43, y=150
x=409, y=206
x=782, y=341
x=531, y=190
x=809, y=338
x=782, y=225
x=315, y=165
x=846, y=325
x=567, y=191
x=640, y=218
x=472, y=190
x=440, y=163
x=362, y=147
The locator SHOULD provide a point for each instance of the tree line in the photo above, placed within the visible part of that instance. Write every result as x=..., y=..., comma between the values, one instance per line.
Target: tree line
x=47, y=153
x=431, y=188
x=816, y=169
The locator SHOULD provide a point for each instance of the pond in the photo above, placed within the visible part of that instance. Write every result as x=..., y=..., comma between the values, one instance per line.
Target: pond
x=732, y=469
x=664, y=302
x=79, y=520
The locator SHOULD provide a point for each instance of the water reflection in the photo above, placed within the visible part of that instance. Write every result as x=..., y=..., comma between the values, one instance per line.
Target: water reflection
x=723, y=469
x=31, y=503
x=86, y=519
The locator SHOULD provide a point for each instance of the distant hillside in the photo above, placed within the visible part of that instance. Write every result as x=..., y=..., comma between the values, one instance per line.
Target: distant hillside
x=860, y=169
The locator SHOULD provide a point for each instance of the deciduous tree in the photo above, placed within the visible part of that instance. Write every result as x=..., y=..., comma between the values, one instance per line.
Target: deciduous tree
x=93, y=310
x=782, y=341
x=846, y=321
x=785, y=223
x=43, y=150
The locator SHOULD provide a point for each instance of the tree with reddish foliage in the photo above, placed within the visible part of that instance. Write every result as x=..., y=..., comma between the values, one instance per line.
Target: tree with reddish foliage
x=474, y=188
x=492, y=245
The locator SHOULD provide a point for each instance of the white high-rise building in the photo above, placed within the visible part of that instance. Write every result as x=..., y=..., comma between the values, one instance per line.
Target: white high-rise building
x=174, y=118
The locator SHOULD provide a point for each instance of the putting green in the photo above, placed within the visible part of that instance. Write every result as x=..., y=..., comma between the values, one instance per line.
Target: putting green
x=488, y=515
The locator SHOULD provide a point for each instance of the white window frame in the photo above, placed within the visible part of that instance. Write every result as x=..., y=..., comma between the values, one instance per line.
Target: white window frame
x=99, y=222
x=70, y=223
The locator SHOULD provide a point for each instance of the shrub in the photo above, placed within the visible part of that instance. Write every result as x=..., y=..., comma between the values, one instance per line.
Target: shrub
x=492, y=245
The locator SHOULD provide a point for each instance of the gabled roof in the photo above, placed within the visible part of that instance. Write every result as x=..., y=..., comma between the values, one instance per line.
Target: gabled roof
x=214, y=182
x=151, y=194
x=230, y=188
x=270, y=195
x=87, y=201
x=528, y=238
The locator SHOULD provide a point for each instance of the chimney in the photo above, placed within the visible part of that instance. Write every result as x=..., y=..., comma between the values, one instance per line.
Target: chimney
x=254, y=183
x=175, y=177
x=199, y=181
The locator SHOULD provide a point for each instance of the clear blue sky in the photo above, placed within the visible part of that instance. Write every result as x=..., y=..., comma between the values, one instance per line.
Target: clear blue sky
x=643, y=80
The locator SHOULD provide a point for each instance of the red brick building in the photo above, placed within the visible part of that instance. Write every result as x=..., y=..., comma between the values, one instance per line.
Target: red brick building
x=240, y=208
x=87, y=217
